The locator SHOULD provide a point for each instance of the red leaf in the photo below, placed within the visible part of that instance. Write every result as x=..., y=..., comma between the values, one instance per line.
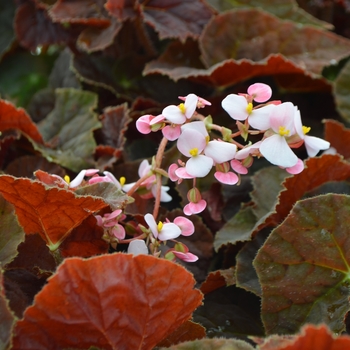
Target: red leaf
x=311, y=337
x=89, y=12
x=34, y=28
x=51, y=212
x=17, y=118
x=338, y=137
x=113, y=302
x=218, y=279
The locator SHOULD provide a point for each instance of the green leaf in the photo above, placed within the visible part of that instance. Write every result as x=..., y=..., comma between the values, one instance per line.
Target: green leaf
x=341, y=92
x=68, y=129
x=303, y=267
x=11, y=233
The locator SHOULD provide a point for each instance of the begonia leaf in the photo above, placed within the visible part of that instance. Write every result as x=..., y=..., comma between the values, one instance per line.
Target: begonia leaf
x=107, y=191
x=7, y=13
x=303, y=266
x=240, y=38
x=120, y=305
x=88, y=12
x=11, y=233
x=310, y=337
x=230, y=312
x=68, y=129
x=237, y=229
x=85, y=240
x=114, y=124
x=218, y=279
x=97, y=39
x=337, y=135
x=267, y=185
x=284, y=9
x=49, y=211
x=172, y=18
x=34, y=27
x=17, y=118
x=341, y=92
x=230, y=72
x=186, y=332
x=213, y=344
x=318, y=171
x=7, y=318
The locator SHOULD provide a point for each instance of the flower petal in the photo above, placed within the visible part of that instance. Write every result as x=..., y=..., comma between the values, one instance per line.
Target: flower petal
x=169, y=231
x=220, y=151
x=260, y=118
x=314, y=144
x=190, y=139
x=260, y=92
x=276, y=150
x=152, y=224
x=235, y=106
x=229, y=178
x=199, y=166
x=174, y=114
x=186, y=226
x=137, y=246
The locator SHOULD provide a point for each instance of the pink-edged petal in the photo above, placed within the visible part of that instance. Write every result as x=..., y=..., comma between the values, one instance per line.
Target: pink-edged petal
x=158, y=119
x=118, y=231
x=190, y=139
x=183, y=174
x=260, y=92
x=144, y=168
x=238, y=167
x=235, y=106
x=174, y=114
x=276, y=150
x=143, y=124
x=78, y=179
x=314, y=144
x=113, y=214
x=246, y=151
x=137, y=246
x=188, y=257
x=297, y=168
x=199, y=166
x=110, y=176
x=190, y=105
x=260, y=117
x=171, y=132
x=99, y=220
x=186, y=225
x=220, y=151
x=195, y=208
x=169, y=231
x=229, y=178
x=283, y=116
x=172, y=172
x=152, y=224
x=197, y=125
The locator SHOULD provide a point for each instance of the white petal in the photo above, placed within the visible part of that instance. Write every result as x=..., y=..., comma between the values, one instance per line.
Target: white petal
x=260, y=118
x=314, y=144
x=220, y=152
x=152, y=224
x=137, y=246
x=78, y=179
x=197, y=125
x=169, y=231
x=276, y=150
x=199, y=166
x=174, y=114
x=235, y=106
x=190, y=139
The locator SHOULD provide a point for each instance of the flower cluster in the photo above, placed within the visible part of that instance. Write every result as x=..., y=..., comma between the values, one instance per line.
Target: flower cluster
x=204, y=148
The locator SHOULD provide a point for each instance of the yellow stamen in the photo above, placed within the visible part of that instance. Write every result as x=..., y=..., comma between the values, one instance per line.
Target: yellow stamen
x=283, y=131
x=306, y=129
x=193, y=152
x=159, y=226
x=249, y=108
x=122, y=180
x=207, y=139
x=182, y=108
x=67, y=179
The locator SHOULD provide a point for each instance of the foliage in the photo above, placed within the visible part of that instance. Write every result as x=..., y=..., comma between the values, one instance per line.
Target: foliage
x=83, y=262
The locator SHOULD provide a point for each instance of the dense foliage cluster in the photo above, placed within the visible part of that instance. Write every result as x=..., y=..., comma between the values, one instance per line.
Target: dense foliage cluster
x=174, y=174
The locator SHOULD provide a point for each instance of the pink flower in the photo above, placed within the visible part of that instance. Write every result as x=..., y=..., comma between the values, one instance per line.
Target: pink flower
x=225, y=176
x=186, y=226
x=181, y=252
x=179, y=114
x=297, y=168
x=171, y=132
x=196, y=203
x=110, y=223
x=201, y=103
x=260, y=92
x=275, y=148
x=162, y=231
